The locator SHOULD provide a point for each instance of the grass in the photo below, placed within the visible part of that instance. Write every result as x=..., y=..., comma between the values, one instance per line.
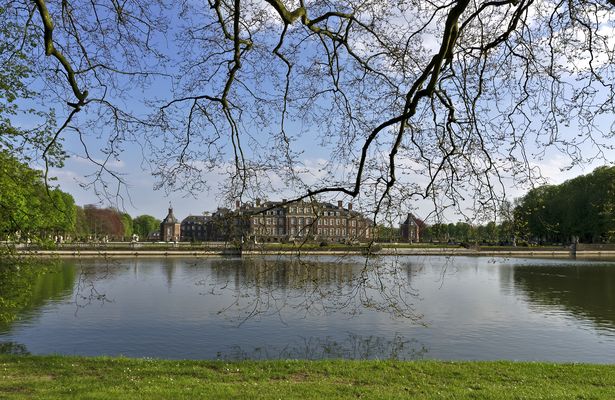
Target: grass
x=52, y=377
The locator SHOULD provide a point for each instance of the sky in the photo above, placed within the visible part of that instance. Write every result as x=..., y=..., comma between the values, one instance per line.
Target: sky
x=138, y=196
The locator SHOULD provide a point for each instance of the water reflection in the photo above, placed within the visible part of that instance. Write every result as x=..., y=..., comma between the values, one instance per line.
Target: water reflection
x=586, y=292
x=321, y=307
x=274, y=286
x=352, y=347
x=12, y=348
x=27, y=286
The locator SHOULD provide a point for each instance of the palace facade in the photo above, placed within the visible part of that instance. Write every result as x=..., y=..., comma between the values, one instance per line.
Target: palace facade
x=280, y=221
x=305, y=220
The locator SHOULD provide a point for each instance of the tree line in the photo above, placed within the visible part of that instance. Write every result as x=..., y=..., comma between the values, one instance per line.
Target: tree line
x=580, y=209
x=456, y=233
x=32, y=210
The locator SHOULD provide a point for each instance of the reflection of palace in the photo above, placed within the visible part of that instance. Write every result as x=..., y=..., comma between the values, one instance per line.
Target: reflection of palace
x=265, y=273
x=272, y=222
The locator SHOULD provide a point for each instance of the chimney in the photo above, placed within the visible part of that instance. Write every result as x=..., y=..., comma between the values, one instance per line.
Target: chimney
x=284, y=200
x=237, y=204
x=258, y=202
x=339, y=204
x=349, y=206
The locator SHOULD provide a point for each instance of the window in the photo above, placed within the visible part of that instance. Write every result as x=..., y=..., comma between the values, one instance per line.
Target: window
x=300, y=220
x=293, y=221
x=308, y=221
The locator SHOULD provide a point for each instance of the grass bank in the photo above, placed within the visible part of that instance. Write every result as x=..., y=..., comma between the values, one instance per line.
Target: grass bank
x=111, y=378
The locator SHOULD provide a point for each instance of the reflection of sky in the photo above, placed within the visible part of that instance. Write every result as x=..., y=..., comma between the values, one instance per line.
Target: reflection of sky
x=198, y=309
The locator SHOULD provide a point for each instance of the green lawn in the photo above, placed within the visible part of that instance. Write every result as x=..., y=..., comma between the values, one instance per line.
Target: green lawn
x=27, y=377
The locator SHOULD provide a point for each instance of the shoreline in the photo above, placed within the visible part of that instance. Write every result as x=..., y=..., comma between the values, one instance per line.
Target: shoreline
x=210, y=253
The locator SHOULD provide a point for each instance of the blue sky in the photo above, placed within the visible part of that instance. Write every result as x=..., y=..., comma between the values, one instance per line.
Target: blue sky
x=139, y=197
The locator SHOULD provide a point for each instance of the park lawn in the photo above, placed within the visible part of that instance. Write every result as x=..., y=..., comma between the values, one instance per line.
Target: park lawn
x=52, y=377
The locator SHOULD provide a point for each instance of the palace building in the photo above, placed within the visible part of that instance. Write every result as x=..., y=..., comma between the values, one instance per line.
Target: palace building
x=272, y=221
x=170, y=228
x=304, y=220
x=410, y=229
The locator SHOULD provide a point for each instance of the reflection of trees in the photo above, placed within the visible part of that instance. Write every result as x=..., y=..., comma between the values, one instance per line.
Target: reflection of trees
x=90, y=273
x=13, y=348
x=265, y=286
x=586, y=293
x=27, y=285
x=353, y=347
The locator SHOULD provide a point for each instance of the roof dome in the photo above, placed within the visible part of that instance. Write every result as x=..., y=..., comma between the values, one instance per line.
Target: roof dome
x=170, y=218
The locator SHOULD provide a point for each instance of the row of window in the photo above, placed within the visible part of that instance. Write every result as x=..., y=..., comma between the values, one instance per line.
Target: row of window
x=301, y=232
x=192, y=228
x=306, y=221
x=306, y=210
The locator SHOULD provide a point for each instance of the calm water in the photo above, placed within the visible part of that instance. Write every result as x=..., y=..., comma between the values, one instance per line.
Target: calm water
x=407, y=308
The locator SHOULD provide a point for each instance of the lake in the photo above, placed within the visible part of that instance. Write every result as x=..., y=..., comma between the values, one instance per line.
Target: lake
x=452, y=308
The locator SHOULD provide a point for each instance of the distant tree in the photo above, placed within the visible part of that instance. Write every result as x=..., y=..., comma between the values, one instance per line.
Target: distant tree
x=583, y=207
x=490, y=233
x=103, y=222
x=387, y=234
x=143, y=225
x=128, y=226
x=81, y=226
x=507, y=230
x=422, y=228
x=28, y=207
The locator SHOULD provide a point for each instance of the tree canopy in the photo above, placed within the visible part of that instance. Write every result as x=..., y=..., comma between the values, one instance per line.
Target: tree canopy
x=28, y=207
x=143, y=225
x=583, y=207
x=388, y=100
